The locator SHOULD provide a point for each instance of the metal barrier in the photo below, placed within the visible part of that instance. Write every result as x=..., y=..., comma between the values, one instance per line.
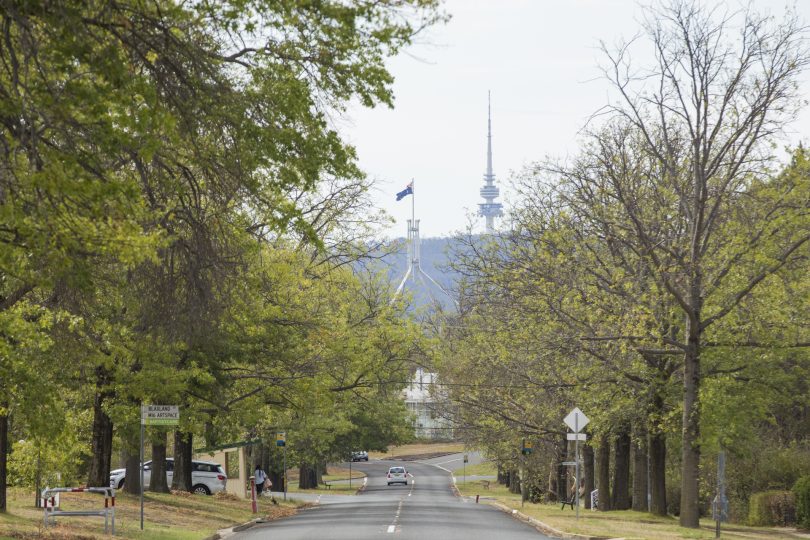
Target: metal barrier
x=50, y=511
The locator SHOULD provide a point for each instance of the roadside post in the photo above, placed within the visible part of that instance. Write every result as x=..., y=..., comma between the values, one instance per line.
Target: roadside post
x=351, y=459
x=576, y=420
x=466, y=459
x=253, y=504
x=720, y=502
x=156, y=415
x=526, y=450
x=281, y=440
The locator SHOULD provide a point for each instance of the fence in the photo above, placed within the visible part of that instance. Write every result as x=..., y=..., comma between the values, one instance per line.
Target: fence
x=52, y=510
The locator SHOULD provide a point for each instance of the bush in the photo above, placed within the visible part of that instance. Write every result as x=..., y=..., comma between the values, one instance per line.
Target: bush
x=802, y=492
x=772, y=508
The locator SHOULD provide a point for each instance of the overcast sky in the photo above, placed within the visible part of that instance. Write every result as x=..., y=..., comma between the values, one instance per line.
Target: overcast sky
x=540, y=60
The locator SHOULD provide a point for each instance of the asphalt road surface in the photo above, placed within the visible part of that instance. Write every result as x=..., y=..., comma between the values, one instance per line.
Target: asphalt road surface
x=424, y=509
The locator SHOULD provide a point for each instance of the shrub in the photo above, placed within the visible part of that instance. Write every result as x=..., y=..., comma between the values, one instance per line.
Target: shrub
x=802, y=492
x=772, y=508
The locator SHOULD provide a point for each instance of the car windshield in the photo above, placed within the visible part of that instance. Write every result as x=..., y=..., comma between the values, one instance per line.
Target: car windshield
x=397, y=470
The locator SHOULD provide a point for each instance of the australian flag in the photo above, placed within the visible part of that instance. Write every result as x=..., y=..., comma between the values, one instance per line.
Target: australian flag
x=405, y=192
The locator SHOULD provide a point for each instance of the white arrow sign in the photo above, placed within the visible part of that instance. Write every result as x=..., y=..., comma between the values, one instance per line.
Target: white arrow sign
x=576, y=420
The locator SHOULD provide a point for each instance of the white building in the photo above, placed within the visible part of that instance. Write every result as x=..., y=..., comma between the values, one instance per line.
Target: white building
x=423, y=399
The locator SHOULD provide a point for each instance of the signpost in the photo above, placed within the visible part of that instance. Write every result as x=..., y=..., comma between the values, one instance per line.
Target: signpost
x=281, y=440
x=466, y=459
x=720, y=502
x=156, y=415
x=576, y=420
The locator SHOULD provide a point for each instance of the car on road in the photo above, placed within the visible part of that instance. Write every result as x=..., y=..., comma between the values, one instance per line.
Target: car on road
x=362, y=455
x=397, y=475
x=207, y=477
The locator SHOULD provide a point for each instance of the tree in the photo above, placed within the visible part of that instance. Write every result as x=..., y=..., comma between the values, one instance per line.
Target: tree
x=692, y=133
x=138, y=135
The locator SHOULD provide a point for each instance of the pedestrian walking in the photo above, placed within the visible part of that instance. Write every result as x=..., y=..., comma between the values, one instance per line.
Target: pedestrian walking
x=259, y=476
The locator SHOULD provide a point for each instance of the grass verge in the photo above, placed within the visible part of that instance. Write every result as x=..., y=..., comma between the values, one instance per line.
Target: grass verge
x=625, y=524
x=487, y=468
x=176, y=516
x=416, y=449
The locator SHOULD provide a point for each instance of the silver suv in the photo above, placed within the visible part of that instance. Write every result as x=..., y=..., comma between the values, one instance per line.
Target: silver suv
x=207, y=477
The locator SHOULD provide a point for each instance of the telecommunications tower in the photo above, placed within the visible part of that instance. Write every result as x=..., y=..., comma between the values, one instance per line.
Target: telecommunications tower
x=490, y=209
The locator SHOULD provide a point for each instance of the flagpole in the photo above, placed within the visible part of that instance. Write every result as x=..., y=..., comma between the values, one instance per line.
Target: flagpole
x=413, y=204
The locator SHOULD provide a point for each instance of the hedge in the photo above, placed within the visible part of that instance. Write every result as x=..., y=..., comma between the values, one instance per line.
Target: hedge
x=801, y=490
x=772, y=508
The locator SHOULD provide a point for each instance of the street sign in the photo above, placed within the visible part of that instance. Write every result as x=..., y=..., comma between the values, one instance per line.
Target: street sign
x=160, y=415
x=281, y=438
x=576, y=420
x=156, y=415
x=527, y=447
x=466, y=459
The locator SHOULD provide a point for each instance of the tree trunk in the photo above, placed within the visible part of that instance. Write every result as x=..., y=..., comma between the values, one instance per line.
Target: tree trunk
x=603, y=470
x=307, y=477
x=621, y=471
x=132, y=482
x=690, y=463
x=264, y=459
x=640, y=470
x=157, y=480
x=658, y=477
x=3, y=457
x=562, y=470
x=181, y=479
x=514, y=482
x=211, y=435
x=503, y=476
x=552, y=482
x=99, y=474
x=588, y=471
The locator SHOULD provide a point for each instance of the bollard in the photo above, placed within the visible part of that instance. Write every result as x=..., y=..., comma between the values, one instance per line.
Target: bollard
x=253, y=503
x=476, y=499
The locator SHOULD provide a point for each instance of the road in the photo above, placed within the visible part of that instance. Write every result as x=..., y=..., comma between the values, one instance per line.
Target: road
x=424, y=509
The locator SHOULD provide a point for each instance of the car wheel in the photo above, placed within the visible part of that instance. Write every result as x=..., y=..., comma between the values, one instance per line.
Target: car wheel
x=121, y=484
x=365, y=459
x=201, y=489
x=389, y=483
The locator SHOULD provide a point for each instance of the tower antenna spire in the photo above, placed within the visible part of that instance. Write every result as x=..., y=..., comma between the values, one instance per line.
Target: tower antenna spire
x=490, y=209
x=489, y=136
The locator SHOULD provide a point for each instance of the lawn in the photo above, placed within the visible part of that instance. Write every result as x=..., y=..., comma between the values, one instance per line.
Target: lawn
x=418, y=449
x=487, y=468
x=179, y=516
x=335, y=474
x=628, y=524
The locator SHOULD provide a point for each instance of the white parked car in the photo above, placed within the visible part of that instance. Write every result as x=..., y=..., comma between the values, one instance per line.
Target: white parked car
x=207, y=477
x=397, y=475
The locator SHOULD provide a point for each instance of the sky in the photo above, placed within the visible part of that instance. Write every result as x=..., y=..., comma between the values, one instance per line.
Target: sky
x=539, y=59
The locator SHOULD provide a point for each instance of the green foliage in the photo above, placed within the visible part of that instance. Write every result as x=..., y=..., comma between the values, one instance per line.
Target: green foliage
x=179, y=217
x=59, y=456
x=772, y=509
x=801, y=490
